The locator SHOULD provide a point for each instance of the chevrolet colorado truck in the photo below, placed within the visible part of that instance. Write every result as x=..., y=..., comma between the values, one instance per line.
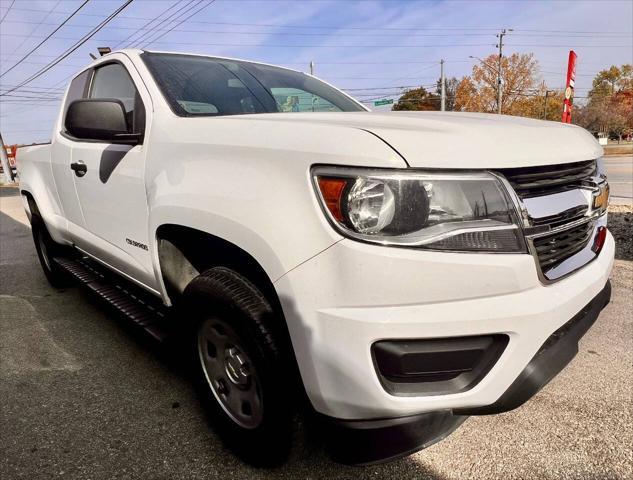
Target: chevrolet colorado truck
x=400, y=271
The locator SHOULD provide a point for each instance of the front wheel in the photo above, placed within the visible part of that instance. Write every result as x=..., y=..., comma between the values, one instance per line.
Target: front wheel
x=242, y=378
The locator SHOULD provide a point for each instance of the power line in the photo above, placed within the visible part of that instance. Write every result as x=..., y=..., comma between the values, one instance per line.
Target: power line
x=331, y=34
x=378, y=88
x=32, y=97
x=149, y=32
x=28, y=62
x=179, y=23
x=491, y=29
x=45, y=38
x=70, y=50
x=30, y=89
x=163, y=22
x=294, y=45
x=566, y=45
x=32, y=130
x=565, y=73
x=146, y=25
x=452, y=45
x=376, y=78
x=566, y=32
x=7, y=12
x=64, y=80
x=399, y=62
x=392, y=92
x=329, y=27
x=48, y=14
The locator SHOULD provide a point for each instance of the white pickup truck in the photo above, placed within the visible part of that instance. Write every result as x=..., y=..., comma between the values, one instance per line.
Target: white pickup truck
x=400, y=271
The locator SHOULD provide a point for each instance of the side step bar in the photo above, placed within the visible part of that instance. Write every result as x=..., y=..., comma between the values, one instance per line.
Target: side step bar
x=131, y=304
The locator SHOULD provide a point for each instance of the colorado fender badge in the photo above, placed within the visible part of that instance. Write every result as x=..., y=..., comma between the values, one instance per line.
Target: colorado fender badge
x=134, y=243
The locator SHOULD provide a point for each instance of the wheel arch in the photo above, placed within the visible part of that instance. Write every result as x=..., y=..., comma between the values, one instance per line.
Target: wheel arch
x=184, y=252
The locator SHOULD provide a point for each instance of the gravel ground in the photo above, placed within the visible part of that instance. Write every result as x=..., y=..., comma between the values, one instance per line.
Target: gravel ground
x=621, y=226
x=82, y=396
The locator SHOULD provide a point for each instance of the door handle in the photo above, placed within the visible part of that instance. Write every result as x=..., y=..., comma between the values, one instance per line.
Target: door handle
x=79, y=168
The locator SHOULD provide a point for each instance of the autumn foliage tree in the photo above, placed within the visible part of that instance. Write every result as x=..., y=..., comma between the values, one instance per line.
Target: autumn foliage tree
x=609, y=108
x=422, y=99
x=418, y=99
x=523, y=93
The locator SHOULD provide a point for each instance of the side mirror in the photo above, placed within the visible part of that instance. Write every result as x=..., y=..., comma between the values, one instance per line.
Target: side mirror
x=99, y=119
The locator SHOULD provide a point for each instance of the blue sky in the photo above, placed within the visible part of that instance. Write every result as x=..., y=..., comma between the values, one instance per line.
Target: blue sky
x=365, y=44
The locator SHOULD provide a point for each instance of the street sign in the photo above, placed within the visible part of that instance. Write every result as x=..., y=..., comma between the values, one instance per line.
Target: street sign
x=385, y=101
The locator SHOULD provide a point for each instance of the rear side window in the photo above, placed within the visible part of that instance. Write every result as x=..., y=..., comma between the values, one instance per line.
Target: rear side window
x=113, y=81
x=76, y=91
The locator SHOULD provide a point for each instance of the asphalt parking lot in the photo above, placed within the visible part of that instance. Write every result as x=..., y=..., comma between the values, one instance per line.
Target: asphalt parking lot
x=84, y=396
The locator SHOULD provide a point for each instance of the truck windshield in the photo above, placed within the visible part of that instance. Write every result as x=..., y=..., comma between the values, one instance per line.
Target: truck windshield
x=205, y=86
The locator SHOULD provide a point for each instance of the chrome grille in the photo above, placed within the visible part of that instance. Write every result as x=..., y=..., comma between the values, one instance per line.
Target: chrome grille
x=566, y=216
x=559, y=212
x=553, y=249
x=545, y=180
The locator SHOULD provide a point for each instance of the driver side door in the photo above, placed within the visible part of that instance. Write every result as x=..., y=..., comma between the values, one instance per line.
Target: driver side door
x=111, y=191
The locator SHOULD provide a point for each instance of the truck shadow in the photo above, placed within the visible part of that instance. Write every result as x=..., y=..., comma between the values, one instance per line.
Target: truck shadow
x=78, y=313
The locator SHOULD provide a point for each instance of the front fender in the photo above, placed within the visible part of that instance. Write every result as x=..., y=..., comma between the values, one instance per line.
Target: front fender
x=247, y=181
x=219, y=226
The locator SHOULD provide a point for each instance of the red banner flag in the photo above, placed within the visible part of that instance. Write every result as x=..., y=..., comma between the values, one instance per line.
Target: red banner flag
x=569, y=90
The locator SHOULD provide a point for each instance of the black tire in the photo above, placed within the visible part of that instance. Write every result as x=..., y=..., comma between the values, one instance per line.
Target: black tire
x=229, y=304
x=47, y=249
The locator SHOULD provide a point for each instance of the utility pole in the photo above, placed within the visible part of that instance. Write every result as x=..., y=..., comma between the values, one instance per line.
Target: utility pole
x=8, y=173
x=312, y=68
x=442, y=86
x=547, y=92
x=503, y=33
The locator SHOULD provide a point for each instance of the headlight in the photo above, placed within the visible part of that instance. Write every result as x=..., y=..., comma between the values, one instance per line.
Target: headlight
x=445, y=211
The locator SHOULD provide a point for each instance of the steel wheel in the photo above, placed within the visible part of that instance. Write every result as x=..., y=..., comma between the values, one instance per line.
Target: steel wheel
x=230, y=374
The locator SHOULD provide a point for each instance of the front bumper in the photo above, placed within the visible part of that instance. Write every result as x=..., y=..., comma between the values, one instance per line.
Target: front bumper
x=363, y=442
x=339, y=303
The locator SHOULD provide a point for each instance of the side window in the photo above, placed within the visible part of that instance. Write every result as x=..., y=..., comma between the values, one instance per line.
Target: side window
x=76, y=91
x=113, y=81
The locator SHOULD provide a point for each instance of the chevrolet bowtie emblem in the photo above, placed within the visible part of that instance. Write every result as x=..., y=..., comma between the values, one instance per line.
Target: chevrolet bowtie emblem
x=601, y=197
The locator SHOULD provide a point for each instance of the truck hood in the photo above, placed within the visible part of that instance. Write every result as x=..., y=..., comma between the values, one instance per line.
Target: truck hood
x=463, y=140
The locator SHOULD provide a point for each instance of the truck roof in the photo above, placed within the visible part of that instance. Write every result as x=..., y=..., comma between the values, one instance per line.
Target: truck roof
x=138, y=51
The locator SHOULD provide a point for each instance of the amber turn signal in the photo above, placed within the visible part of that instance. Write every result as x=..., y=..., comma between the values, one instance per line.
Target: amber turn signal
x=332, y=191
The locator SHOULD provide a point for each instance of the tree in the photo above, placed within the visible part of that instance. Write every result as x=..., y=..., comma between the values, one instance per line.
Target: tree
x=451, y=84
x=553, y=105
x=418, y=99
x=612, y=80
x=469, y=98
x=621, y=123
x=519, y=76
x=610, y=105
